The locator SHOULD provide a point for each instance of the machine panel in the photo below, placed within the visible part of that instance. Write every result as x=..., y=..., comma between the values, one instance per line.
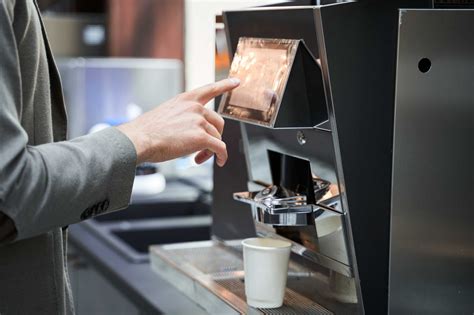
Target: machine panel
x=432, y=257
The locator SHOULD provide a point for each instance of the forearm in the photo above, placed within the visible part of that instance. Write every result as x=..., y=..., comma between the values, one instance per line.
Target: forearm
x=141, y=143
x=58, y=184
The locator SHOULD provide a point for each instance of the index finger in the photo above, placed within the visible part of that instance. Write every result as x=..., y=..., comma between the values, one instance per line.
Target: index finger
x=206, y=93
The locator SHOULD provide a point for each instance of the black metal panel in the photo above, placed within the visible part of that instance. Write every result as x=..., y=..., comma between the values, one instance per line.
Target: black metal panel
x=318, y=148
x=292, y=3
x=454, y=4
x=360, y=44
x=288, y=24
x=304, y=102
x=292, y=173
x=230, y=219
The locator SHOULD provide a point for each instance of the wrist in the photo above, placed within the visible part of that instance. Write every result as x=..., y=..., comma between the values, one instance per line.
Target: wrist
x=139, y=141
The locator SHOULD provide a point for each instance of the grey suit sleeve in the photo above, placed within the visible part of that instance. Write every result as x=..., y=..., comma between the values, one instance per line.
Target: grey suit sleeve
x=53, y=185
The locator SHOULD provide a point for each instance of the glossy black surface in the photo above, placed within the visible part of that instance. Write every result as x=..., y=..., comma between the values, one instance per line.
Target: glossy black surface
x=231, y=219
x=297, y=24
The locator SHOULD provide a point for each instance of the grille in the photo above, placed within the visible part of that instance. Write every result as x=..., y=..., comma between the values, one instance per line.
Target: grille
x=293, y=303
x=210, y=259
x=218, y=268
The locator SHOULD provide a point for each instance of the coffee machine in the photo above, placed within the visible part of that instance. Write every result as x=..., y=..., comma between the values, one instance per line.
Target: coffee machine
x=310, y=140
x=319, y=159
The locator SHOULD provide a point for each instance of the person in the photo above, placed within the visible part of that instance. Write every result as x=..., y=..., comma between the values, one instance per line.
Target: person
x=47, y=182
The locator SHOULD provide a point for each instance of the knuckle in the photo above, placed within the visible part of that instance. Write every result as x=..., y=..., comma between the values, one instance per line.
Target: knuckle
x=191, y=108
x=181, y=97
x=197, y=120
x=196, y=107
x=201, y=122
x=202, y=138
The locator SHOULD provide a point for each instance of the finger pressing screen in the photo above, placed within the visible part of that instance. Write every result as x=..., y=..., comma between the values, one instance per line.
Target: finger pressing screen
x=206, y=93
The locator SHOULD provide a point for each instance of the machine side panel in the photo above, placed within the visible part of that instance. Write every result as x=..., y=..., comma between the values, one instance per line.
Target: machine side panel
x=230, y=219
x=432, y=242
x=360, y=56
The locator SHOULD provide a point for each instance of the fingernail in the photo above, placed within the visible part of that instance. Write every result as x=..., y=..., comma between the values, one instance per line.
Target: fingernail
x=235, y=81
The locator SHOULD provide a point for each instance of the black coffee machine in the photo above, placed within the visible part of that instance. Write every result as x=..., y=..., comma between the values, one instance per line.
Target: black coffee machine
x=350, y=136
x=316, y=165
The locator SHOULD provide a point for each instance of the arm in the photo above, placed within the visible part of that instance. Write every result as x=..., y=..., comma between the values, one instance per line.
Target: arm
x=57, y=184
x=52, y=185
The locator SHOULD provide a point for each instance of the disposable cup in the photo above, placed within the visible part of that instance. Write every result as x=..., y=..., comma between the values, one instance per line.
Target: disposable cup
x=266, y=269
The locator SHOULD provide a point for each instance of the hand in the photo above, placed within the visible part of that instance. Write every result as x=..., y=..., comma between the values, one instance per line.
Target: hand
x=181, y=126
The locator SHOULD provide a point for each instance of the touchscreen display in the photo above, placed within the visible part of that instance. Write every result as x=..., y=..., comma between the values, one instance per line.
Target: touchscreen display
x=263, y=67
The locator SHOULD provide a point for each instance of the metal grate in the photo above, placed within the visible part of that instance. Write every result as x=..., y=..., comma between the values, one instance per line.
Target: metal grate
x=218, y=269
x=210, y=260
x=294, y=304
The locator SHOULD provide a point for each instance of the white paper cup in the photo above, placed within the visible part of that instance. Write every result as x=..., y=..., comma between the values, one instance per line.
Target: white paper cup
x=266, y=269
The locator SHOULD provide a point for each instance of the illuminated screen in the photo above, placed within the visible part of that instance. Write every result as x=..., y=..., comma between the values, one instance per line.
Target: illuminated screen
x=263, y=67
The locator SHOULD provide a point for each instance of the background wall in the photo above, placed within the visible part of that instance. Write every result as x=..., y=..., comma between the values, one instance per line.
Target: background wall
x=199, y=38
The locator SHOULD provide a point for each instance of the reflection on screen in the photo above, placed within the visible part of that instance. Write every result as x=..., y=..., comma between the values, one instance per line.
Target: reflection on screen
x=261, y=71
x=263, y=67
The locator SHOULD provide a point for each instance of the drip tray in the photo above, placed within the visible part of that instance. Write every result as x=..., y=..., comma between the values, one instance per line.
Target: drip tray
x=211, y=274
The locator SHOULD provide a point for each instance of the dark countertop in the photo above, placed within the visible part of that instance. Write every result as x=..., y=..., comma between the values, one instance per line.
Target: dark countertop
x=135, y=279
x=146, y=289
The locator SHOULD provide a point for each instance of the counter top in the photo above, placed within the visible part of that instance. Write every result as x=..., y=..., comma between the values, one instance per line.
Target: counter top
x=148, y=291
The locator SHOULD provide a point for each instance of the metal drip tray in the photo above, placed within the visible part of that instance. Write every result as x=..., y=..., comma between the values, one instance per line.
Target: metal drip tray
x=211, y=273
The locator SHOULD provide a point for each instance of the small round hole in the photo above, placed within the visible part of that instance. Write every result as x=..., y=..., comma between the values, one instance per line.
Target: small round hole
x=424, y=65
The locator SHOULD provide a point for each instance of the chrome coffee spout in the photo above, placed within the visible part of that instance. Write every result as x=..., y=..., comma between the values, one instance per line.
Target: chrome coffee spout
x=278, y=206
